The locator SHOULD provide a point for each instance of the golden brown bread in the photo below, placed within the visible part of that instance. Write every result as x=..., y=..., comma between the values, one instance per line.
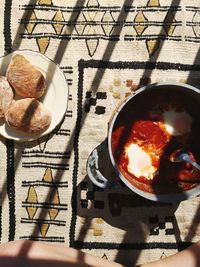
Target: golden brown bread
x=6, y=96
x=28, y=115
x=25, y=78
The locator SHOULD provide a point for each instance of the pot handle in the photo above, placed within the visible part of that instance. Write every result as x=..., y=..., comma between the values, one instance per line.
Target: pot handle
x=93, y=168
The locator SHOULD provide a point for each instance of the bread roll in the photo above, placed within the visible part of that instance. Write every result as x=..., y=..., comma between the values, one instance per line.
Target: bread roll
x=28, y=115
x=25, y=78
x=6, y=96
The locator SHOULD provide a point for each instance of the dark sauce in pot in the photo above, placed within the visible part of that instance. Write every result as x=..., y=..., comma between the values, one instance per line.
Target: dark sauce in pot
x=141, y=122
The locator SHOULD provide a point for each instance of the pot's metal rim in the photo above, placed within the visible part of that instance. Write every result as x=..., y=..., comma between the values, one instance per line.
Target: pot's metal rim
x=176, y=197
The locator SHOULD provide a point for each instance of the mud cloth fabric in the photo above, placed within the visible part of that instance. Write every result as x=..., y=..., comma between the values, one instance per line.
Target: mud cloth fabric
x=105, y=48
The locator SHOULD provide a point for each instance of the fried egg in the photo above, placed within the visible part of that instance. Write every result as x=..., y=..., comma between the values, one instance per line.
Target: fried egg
x=177, y=122
x=140, y=163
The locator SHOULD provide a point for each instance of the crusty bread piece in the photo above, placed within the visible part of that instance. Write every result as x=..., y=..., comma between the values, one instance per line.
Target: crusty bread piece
x=28, y=115
x=25, y=78
x=6, y=96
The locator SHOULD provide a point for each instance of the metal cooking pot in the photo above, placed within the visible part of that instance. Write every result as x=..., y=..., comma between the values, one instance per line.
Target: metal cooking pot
x=192, y=94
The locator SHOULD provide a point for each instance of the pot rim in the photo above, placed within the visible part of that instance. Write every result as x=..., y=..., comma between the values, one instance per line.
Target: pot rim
x=173, y=197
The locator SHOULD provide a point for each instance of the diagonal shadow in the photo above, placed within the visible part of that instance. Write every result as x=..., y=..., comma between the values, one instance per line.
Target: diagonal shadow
x=96, y=81
x=175, y=224
x=3, y=193
x=194, y=225
x=98, y=77
x=95, y=84
x=21, y=28
x=107, y=54
x=111, y=45
x=21, y=258
x=59, y=54
x=64, y=43
x=15, y=44
x=58, y=57
x=147, y=73
x=196, y=219
x=8, y=48
x=191, y=79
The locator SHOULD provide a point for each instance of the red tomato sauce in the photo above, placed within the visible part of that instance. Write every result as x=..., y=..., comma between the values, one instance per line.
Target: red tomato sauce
x=136, y=125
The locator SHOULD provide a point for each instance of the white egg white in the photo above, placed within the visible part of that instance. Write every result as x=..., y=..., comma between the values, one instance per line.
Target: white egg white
x=177, y=122
x=140, y=163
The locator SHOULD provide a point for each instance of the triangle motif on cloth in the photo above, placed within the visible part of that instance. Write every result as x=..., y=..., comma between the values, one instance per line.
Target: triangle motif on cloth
x=58, y=20
x=153, y=3
x=43, y=43
x=31, y=199
x=140, y=21
x=45, y=2
x=30, y=21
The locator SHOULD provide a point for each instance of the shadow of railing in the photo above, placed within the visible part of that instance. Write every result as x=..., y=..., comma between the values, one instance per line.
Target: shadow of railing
x=75, y=133
x=107, y=55
x=190, y=79
x=9, y=45
x=21, y=28
x=29, y=253
x=147, y=73
x=8, y=186
x=196, y=218
x=58, y=57
x=96, y=81
x=95, y=84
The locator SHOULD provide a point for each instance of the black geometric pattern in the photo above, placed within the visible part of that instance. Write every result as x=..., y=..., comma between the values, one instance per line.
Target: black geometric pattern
x=95, y=23
x=90, y=196
x=157, y=225
x=118, y=202
x=92, y=101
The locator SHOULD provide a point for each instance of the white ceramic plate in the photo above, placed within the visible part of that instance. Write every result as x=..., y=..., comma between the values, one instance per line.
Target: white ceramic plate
x=55, y=97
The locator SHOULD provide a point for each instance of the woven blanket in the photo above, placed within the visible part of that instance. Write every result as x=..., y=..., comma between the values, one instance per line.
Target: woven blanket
x=106, y=49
